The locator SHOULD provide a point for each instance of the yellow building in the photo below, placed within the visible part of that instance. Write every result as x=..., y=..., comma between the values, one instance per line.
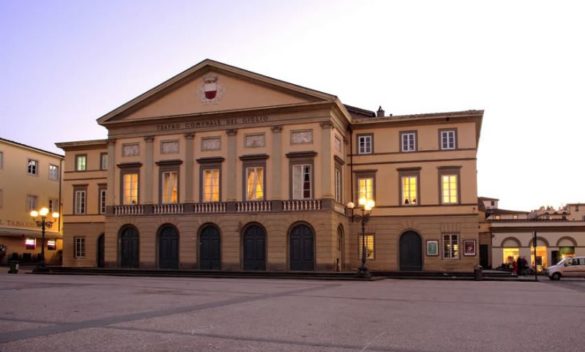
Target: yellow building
x=30, y=178
x=219, y=168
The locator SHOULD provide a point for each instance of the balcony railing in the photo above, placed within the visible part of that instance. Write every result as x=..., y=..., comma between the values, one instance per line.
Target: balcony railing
x=253, y=207
x=129, y=210
x=168, y=209
x=208, y=208
x=301, y=205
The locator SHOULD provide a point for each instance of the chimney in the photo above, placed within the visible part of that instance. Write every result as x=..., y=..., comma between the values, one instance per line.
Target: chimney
x=380, y=112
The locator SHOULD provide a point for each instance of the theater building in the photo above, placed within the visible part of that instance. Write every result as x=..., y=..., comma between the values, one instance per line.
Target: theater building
x=219, y=168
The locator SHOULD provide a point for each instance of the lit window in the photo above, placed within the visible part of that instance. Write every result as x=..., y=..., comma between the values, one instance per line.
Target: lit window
x=169, y=187
x=53, y=172
x=32, y=167
x=51, y=245
x=80, y=162
x=451, y=246
x=369, y=246
x=211, y=185
x=448, y=139
x=79, y=201
x=79, y=247
x=449, y=189
x=301, y=186
x=103, y=161
x=30, y=243
x=255, y=183
x=366, y=188
x=130, y=189
x=364, y=144
x=409, y=190
x=408, y=141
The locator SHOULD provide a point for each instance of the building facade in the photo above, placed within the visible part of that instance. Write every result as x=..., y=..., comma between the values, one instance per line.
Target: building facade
x=30, y=178
x=219, y=168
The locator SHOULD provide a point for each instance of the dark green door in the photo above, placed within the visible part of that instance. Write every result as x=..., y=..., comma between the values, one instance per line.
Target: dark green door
x=100, y=251
x=410, y=252
x=254, y=248
x=210, y=249
x=168, y=248
x=302, y=252
x=129, y=248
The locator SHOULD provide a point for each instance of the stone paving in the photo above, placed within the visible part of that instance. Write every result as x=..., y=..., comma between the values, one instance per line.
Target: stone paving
x=105, y=313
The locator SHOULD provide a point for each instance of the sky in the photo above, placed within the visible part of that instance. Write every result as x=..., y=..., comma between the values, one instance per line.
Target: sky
x=63, y=64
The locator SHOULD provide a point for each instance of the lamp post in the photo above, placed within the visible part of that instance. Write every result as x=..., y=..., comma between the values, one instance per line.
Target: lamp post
x=365, y=207
x=43, y=223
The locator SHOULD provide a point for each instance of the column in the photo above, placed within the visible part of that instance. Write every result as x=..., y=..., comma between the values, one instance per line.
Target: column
x=231, y=169
x=111, y=194
x=188, y=182
x=148, y=166
x=326, y=160
x=276, y=162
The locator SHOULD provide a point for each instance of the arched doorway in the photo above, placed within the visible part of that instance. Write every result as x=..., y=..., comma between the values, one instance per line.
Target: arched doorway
x=254, y=242
x=410, y=251
x=168, y=247
x=209, y=248
x=129, y=249
x=302, y=251
x=101, y=251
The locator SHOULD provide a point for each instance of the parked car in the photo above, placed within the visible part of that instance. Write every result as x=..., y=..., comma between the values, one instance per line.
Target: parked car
x=568, y=267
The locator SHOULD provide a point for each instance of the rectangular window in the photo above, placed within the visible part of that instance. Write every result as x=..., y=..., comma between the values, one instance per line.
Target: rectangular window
x=365, y=144
x=255, y=183
x=31, y=202
x=51, y=245
x=170, y=187
x=365, y=187
x=409, y=185
x=30, y=243
x=451, y=246
x=32, y=167
x=408, y=141
x=1, y=160
x=81, y=162
x=53, y=172
x=448, y=139
x=79, y=201
x=338, y=185
x=449, y=189
x=53, y=205
x=369, y=246
x=79, y=247
x=211, y=178
x=104, y=161
x=102, y=199
x=130, y=188
x=302, y=181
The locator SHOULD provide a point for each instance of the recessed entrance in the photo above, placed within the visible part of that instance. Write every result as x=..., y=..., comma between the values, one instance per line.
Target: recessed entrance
x=209, y=248
x=302, y=252
x=168, y=248
x=254, y=243
x=100, y=251
x=129, y=248
x=410, y=251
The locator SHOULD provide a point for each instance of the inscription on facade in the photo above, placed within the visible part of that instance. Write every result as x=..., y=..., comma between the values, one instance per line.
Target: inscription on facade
x=229, y=122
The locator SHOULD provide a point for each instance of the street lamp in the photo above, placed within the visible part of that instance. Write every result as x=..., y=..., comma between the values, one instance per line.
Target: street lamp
x=365, y=206
x=43, y=223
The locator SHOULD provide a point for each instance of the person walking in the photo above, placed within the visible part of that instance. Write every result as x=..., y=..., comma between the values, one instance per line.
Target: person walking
x=519, y=266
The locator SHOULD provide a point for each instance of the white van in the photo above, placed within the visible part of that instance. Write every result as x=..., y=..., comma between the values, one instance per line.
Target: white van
x=568, y=267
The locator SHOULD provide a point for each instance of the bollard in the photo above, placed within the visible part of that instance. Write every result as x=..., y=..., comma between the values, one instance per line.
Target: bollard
x=478, y=272
x=13, y=267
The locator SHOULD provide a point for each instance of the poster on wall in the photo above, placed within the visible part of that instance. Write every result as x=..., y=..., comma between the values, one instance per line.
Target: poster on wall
x=469, y=248
x=432, y=248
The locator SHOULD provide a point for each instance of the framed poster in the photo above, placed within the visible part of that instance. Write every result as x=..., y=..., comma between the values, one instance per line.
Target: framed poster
x=469, y=248
x=432, y=248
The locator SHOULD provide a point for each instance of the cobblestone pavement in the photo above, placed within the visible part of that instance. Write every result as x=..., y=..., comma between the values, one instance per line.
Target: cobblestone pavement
x=103, y=313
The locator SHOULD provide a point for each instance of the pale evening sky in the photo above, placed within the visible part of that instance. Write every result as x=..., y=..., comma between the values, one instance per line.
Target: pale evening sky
x=65, y=63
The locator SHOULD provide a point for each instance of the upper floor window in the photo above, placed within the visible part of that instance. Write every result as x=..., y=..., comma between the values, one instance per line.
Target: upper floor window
x=255, y=183
x=104, y=161
x=408, y=141
x=31, y=202
x=365, y=144
x=79, y=200
x=53, y=172
x=409, y=189
x=53, y=205
x=32, y=167
x=81, y=162
x=449, y=182
x=302, y=181
x=169, y=187
x=1, y=160
x=338, y=185
x=211, y=184
x=365, y=187
x=102, y=192
x=130, y=188
x=448, y=139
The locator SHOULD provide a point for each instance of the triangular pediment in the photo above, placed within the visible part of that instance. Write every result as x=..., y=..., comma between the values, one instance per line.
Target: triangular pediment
x=210, y=87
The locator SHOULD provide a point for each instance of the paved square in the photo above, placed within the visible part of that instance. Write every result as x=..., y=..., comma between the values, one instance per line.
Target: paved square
x=101, y=313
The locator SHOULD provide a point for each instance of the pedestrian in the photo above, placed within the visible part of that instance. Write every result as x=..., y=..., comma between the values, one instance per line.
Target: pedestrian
x=519, y=266
x=524, y=263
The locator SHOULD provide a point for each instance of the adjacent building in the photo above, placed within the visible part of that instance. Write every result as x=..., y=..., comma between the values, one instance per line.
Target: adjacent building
x=30, y=178
x=220, y=168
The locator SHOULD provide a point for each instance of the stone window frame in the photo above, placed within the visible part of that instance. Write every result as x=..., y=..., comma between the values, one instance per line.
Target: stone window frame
x=454, y=254
x=360, y=245
x=403, y=134
x=104, y=164
x=209, y=164
x=52, y=203
x=301, y=158
x=169, y=166
x=455, y=141
x=79, y=248
x=257, y=160
x=445, y=171
x=406, y=172
x=125, y=169
x=357, y=144
x=31, y=198
x=78, y=164
x=32, y=169
x=102, y=198
x=359, y=174
x=81, y=189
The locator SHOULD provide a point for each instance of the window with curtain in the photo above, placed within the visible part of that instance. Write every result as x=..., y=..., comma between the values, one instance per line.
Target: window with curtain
x=255, y=183
x=302, y=181
x=211, y=185
x=130, y=189
x=170, y=192
x=366, y=188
